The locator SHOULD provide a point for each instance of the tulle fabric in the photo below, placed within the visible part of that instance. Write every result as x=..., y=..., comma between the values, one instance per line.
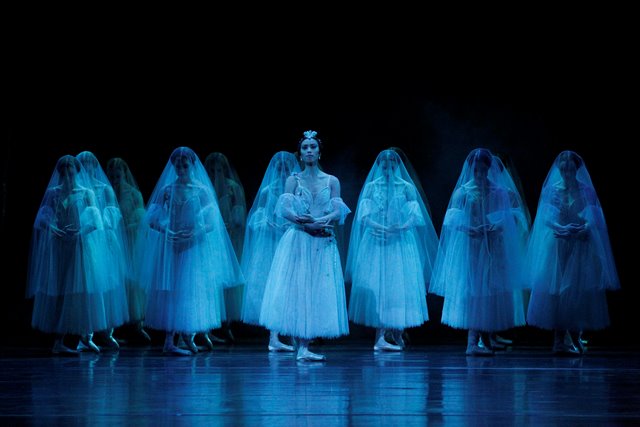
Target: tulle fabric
x=393, y=246
x=569, y=274
x=71, y=275
x=132, y=208
x=115, y=235
x=304, y=294
x=233, y=208
x=185, y=255
x=478, y=269
x=264, y=230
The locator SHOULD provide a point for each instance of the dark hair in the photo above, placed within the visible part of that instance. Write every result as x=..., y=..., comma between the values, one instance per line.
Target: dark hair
x=116, y=163
x=65, y=161
x=183, y=152
x=217, y=158
x=310, y=134
x=389, y=154
x=87, y=158
x=570, y=156
x=481, y=155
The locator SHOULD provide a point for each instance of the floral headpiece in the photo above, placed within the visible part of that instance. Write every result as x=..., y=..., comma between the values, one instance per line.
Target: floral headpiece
x=310, y=134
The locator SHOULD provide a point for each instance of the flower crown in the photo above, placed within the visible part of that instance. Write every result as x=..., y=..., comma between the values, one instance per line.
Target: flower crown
x=310, y=134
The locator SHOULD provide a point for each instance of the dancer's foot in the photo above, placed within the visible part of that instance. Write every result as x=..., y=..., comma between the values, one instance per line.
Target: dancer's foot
x=143, y=335
x=478, y=351
x=306, y=355
x=110, y=343
x=217, y=339
x=172, y=349
x=383, y=345
x=188, y=342
x=563, y=349
x=279, y=346
x=397, y=337
x=208, y=345
x=61, y=349
x=501, y=340
x=86, y=344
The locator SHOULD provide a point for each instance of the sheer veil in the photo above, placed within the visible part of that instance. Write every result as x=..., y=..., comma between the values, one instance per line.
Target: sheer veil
x=383, y=197
x=264, y=230
x=184, y=251
x=568, y=197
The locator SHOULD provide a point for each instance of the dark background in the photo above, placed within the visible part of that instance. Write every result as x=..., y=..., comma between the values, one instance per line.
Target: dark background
x=140, y=104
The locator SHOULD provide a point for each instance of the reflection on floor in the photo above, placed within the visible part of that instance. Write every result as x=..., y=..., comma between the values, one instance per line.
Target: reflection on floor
x=246, y=385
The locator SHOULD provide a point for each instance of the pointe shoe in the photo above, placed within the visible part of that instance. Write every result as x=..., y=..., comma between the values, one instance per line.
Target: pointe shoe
x=580, y=345
x=188, y=341
x=207, y=342
x=143, y=335
x=305, y=354
x=230, y=336
x=575, y=339
x=500, y=340
x=382, y=345
x=495, y=344
x=111, y=343
x=477, y=350
x=170, y=348
x=60, y=348
x=563, y=349
x=214, y=338
x=397, y=337
x=86, y=344
x=279, y=346
x=81, y=347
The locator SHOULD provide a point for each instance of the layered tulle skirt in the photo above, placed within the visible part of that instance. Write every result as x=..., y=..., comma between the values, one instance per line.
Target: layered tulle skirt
x=568, y=287
x=185, y=289
x=304, y=295
x=81, y=293
x=388, y=289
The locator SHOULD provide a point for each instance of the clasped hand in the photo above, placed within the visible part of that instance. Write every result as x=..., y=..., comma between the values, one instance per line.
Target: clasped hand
x=66, y=232
x=571, y=230
x=313, y=226
x=481, y=230
x=183, y=234
x=384, y=231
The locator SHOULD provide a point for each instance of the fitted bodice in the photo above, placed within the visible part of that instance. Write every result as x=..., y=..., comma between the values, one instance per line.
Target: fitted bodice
x=569, y=204
x=184, y=206
x=318, y=203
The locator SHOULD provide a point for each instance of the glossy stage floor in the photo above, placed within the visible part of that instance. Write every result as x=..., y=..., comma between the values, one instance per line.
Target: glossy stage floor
x=244, y=384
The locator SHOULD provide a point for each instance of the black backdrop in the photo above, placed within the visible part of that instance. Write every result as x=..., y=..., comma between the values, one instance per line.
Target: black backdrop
x=143, y=116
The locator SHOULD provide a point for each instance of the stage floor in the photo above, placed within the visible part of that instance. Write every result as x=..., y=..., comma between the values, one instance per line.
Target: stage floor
x=244, y=384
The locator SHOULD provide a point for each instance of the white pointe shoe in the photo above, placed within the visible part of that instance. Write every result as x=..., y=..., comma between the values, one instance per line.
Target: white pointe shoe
x=477, y=350
x=275, y=345
x=188, y=342
x=383, y=345
x=500, y=340
x=143, y=335
x=111, y=343
x=86, y=344
x=208, y=345
x=60, y=348
x=397, y=337
x=305, y=354
x=563, y=349
x=170, y=348
x=214, y=338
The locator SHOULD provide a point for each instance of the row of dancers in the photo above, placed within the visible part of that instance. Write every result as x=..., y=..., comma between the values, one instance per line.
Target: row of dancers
x=194, y=259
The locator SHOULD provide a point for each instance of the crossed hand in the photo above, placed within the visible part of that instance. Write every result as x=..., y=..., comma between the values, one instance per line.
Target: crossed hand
x=571, y=230
x=69, y=231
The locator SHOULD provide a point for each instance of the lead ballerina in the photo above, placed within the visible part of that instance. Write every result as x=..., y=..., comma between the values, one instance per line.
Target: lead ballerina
x=304, y=294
